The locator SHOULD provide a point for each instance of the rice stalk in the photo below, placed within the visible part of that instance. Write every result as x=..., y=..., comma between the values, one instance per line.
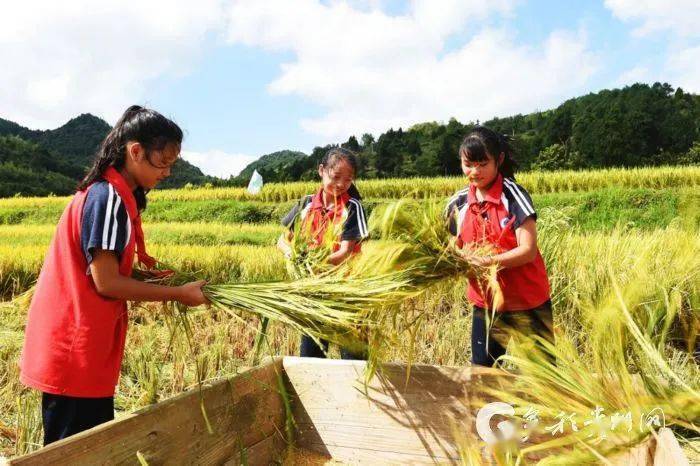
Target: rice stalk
x=626, y=365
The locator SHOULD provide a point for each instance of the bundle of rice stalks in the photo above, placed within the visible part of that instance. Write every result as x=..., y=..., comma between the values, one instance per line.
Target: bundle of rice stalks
x=328, y=307
x=355, y=304
x=425, y=246
x=590, y=401
x=309, y=254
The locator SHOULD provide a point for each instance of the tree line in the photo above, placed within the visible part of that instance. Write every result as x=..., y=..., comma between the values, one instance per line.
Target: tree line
x=638, y=125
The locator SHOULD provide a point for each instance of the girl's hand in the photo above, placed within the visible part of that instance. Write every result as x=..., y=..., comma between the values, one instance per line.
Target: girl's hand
x=191, y=294
x=469, y=256
x=480, y=261
x=475, y=259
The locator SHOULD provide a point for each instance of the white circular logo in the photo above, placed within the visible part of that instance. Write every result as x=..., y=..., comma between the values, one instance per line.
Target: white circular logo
x=483, y=422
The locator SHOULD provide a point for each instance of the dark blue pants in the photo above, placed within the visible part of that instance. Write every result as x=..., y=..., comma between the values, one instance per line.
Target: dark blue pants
x=309, y=349
x=64, y=416
x=485, y=351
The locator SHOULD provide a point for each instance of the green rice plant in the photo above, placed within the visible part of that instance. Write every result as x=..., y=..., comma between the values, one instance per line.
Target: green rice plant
x=627, y=313
x=309, y=256
x=535, y=182
x=329, y=307
x=19, y=268
x=626, y=365
x=356, y=304
x=582, y=268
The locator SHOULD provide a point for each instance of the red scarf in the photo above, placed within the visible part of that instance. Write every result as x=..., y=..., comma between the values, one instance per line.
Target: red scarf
x=475, y=228
x=115, y=178
x=319, y=217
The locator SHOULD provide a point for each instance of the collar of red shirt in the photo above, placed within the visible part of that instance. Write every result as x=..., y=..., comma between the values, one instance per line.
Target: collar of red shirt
x=340, y=202
x=493, y=195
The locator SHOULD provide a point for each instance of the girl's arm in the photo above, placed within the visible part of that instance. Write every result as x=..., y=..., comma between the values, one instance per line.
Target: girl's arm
x=111, y=284
x=346, y=248
x=525, y=252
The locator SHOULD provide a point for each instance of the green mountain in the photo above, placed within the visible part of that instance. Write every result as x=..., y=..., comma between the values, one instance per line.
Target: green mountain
x=34, y=162
x=278, y=166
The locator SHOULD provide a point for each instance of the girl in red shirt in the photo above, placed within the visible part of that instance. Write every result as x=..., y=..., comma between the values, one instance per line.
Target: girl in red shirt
x=496, y=212
x=76, y=325
x=336, y=203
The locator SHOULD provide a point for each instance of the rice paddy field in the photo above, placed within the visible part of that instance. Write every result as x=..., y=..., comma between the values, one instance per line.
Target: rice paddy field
x=622, y=249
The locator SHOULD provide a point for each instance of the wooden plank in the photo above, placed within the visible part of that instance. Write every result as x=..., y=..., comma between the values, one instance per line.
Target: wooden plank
x=359, y=455
x=641, y=455
x=668, y=451
x=243, y=411
x=660, y=449
x=270, y=450
x=390, y=420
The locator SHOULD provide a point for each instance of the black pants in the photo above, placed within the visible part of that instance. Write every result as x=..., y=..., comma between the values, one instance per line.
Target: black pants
x=309, y=349
x=485, y=351
x=64, y=416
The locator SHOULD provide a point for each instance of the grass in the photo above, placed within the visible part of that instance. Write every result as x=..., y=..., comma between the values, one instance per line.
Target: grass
x=596, y=210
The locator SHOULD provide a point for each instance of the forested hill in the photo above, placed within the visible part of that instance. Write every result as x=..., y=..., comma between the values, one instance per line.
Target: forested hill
x=634, y=126
x=38, y=163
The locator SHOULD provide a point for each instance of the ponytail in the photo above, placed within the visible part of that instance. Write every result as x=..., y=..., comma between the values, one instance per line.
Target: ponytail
x=138, y=124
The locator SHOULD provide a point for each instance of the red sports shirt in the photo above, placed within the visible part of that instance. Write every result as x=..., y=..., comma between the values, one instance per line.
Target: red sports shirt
x=347, y=211
x=493, y=221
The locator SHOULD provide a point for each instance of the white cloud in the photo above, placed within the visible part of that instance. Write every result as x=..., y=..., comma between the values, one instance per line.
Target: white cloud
x=684, y=65
x=218, y=163
x=636, y=74
x=680, y=17
x=680, y=20
x=371, y=71
x=64, y=58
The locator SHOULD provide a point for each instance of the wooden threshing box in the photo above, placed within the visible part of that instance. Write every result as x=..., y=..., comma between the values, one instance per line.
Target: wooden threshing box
x=334, y=414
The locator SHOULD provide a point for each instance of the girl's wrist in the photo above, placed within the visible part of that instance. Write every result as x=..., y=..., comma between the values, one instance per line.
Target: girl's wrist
x=177, y=293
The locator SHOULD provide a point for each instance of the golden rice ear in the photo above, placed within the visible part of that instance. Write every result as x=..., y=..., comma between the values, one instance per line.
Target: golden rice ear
x=495, y=288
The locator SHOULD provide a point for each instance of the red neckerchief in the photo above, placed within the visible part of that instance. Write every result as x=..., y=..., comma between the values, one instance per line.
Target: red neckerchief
x=319, y=217
x=115, y=178
x=479, y=209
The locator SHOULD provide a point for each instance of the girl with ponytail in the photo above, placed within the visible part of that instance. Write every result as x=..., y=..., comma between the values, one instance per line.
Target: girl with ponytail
x=77, y=320
x=494, y=212
x=335, y=204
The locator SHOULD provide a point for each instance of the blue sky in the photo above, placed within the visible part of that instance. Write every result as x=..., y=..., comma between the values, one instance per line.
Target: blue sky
x=245, y=78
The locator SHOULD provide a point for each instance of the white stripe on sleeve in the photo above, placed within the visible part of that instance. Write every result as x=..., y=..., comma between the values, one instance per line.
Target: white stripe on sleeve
x=115, y=227
x=108, y=212
x=361, y=221
x=522, y=201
